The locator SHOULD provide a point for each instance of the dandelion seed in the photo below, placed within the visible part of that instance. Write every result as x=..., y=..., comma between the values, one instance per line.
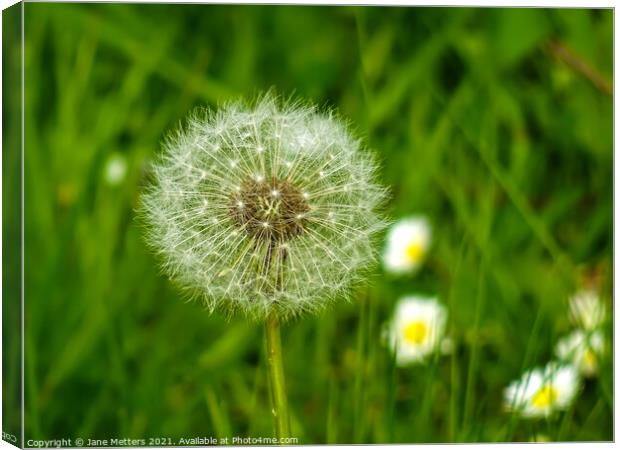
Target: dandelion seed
x=587, y=310
x=270, y=230
x=416, y=329
x=541, y=392
x=407, y=244
x=583, y=350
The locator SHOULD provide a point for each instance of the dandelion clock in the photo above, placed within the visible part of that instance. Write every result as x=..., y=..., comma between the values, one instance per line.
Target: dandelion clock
x=267, y=210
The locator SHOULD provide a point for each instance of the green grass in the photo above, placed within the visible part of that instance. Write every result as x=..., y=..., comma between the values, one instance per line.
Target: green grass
x=479, y=124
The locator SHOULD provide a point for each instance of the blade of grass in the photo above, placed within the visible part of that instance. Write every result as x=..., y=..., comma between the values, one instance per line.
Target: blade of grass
x=332, y=422
x=472, y=366
x=221, y=424
x=454, y=370
x=358, y=398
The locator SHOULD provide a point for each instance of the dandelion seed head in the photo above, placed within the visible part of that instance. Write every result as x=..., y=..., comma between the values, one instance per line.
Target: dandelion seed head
x=256, y=231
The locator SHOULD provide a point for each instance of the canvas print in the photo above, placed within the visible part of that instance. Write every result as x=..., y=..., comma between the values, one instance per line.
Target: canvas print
x=297, y=224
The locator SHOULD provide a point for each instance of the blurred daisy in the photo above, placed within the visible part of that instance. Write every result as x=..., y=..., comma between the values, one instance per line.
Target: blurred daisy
x=417, y=329
x=407, y=244
x=540, y=437
x=115, y=169
x=540, y=392
x=587, y=310
x=583, y=350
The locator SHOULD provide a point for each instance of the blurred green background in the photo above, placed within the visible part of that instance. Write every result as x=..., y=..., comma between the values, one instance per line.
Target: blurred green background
x=496, y=123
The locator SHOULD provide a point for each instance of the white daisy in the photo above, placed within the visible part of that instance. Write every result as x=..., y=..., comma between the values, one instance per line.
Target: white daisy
x=417, y=329
x=115, y=169
x=407, y=244
x=540, y=391
x=587, y=310
x=583, y=350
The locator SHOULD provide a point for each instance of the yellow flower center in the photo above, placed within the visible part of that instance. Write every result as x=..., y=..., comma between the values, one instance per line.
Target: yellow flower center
x=546, y=396
x=414, y=251
x=415, y=332
x=589, y=359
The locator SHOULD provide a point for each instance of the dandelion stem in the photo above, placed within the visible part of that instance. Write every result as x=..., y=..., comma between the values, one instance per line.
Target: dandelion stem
x=279, y=401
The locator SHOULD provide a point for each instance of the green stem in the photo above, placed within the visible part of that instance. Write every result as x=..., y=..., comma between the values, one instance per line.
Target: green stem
x=279, y=402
